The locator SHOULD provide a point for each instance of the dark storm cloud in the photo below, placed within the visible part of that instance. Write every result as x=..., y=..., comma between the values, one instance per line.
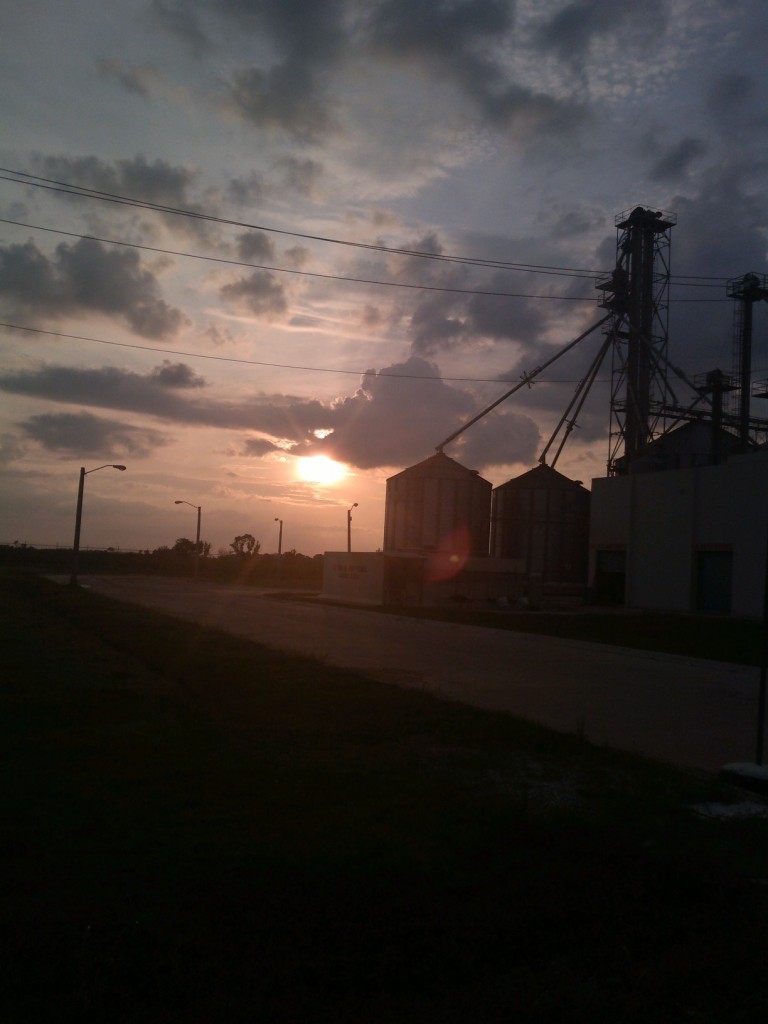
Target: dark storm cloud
x=177, y=375
x=573, y=30
x=435, y=329
x=522, y=320
x=259, y=293
x=500, y=438
x=460, y=42
x=302, y=175
x=255, y=245
x=736, y=105
x=156, y=182
x=729, y=93
x=258, y=447
x=290, y=93
x=392, y=419
x=246, y=191
x=134, y=80
x=701, y=333
x=678, y=160
x=85, y=278
x=283, y=97
x=457, y=41
x=87, y=435
x=443, y=322
x=179, y=21
x=109, y=387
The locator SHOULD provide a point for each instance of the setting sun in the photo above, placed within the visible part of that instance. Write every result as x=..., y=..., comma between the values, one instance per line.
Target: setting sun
x=319, y=469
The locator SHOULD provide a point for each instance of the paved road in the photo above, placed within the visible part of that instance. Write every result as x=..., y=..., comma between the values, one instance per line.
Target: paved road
x=695, y=713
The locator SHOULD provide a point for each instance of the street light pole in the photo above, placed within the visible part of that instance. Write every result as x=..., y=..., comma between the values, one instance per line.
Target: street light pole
x=197, y=538
x=279, y=536
x=79, y=515
x=349, y=528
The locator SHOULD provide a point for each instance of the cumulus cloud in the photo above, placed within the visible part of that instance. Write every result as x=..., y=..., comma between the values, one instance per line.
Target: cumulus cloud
x=156, y=181
x=396, y=419
x=177, y=375
x=255, y=245
x=246, y=191
x=87, y=435
x=300, y=174
x=259, y=293
x=395, y=416
x=86, y=278
x=282, y=97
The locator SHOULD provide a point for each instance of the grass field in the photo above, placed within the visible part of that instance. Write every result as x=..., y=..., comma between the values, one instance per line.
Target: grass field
x=198, y=829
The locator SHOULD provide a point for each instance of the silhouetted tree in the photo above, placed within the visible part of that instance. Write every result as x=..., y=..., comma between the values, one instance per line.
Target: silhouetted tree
x=183, y=546
x=246, y=544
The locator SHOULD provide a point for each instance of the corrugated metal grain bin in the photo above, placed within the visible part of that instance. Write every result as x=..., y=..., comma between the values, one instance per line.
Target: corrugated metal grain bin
x=543, y=518
x=437, y=505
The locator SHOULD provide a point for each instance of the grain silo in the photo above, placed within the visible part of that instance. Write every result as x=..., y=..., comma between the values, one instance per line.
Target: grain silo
x=542, y=517
x=437, y=505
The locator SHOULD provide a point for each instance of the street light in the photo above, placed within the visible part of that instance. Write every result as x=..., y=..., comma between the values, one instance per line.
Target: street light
x=279, y=536
x=197, y=539
x=349, y=528
x=79, y=515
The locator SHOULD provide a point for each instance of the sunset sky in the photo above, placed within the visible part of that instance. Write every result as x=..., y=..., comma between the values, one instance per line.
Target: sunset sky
x=338, y=229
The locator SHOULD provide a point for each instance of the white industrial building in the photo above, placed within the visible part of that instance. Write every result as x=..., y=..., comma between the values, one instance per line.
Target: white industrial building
x=688, y=540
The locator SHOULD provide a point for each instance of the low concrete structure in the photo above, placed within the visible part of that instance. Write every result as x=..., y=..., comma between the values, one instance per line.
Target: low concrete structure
x=356, y=577
x=436, y=580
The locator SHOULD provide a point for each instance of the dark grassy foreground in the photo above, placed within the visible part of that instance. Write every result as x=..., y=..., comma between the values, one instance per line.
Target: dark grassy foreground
x=199, y=830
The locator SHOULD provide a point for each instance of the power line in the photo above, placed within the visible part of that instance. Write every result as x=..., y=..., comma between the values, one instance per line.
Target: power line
x=68, y=188
x=257, y=362
x=85, y=192
x=299, y=273
x=311, y=273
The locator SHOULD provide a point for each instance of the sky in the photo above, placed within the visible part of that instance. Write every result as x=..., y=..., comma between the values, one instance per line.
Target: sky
x=268, y=253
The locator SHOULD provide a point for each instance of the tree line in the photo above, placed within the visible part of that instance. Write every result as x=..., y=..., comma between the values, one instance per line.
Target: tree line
x=242, y=562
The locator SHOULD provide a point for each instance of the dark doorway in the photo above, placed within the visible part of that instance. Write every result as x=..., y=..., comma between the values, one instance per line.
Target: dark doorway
x=610, y=577
x=713, y=581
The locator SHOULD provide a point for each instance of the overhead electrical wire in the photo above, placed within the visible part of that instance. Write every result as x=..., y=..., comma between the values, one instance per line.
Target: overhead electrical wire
x=50, y=184
x=258, y=362
x=67, y=188
x=299, y=273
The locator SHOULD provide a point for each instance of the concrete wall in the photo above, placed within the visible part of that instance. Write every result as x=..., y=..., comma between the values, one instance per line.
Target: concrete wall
x=357, y=577
x=666, y=521
x=421, y=580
